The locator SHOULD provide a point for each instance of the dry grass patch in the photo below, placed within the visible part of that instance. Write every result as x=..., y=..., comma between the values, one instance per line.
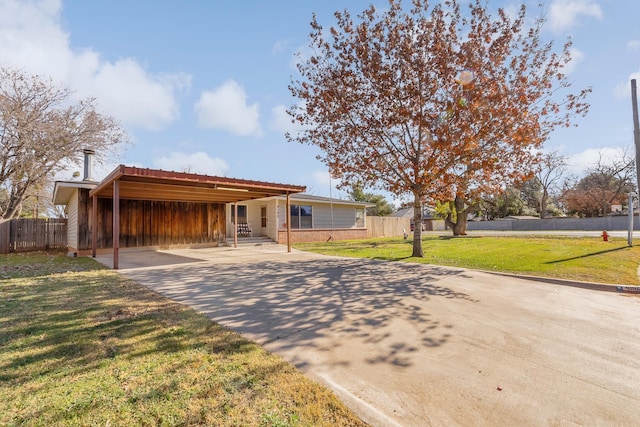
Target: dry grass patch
x=81, y=345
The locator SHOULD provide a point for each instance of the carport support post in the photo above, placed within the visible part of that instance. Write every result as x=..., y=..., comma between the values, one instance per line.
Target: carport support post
x=116, y=222
x=288, y=216
x=94, y=225
x=235, y=224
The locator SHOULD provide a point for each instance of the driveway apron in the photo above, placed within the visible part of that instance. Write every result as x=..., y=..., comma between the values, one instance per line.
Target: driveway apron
x=415, y=345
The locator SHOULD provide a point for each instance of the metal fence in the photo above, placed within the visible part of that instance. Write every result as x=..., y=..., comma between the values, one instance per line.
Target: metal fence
x=609, y=223
x=27, y=235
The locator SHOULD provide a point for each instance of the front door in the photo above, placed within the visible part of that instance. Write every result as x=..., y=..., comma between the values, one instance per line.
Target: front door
x=263, y=220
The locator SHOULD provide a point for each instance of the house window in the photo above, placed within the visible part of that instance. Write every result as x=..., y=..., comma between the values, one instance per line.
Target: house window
x=301, y=216
x=360, y=217
x=263, y=216
x=242, y=214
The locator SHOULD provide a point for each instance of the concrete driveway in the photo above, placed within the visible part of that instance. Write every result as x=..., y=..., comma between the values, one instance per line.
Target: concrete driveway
x=415, y=345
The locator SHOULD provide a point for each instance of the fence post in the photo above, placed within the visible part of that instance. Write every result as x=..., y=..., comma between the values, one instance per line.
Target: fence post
x=5, y=231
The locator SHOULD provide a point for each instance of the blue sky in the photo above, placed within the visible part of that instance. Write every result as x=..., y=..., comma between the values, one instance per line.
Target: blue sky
x=202, y=85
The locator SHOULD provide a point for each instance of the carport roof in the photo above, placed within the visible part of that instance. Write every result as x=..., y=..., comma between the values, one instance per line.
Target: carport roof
x=153, y=184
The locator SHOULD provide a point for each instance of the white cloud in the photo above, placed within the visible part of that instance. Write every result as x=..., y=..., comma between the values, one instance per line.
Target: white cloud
x=633, y=45
x=301, y=55
x=30, y=36
x=125, y=89
x=280, y=46
x=321, y=178
x=32, y=39
x=199, y=163
x=100, y=170
x=322, y=184
x=577, y=56
x=564, y=14
x=226, y=108
x=623, y=89
x=280, y=120
x=578, y=163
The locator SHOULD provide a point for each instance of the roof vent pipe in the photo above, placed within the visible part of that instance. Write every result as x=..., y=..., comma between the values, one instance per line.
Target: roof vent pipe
x=88, y=164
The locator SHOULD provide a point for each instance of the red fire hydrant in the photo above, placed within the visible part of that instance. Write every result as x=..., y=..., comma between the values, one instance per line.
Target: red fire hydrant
x=605, y=236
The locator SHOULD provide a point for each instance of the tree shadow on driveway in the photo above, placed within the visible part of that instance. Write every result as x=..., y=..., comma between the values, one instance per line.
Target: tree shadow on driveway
x=318, y=304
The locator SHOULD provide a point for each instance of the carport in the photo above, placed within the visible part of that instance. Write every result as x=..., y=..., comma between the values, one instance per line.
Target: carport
x=133, y=183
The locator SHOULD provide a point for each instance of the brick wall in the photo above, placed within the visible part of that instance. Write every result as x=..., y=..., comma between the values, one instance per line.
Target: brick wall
x=322, y=235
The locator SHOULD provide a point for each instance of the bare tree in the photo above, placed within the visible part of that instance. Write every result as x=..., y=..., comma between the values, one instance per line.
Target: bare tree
x=606, y=183
x=431, y=102
x=538, y=192
x=41, y=131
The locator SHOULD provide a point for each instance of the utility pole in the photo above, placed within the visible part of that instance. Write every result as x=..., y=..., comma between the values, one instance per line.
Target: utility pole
x=636, y=130
x=636, y=141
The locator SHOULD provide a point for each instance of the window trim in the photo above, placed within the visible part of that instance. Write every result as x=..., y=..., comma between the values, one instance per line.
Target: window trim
x=233, y=213
x=360, y=219
x=297, y=221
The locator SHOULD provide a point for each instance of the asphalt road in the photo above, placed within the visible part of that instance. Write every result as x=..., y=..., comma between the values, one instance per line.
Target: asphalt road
x=416, y=345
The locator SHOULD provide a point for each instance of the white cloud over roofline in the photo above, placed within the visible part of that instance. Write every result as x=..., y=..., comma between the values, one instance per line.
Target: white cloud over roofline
x=199, y=163
x=32, y=39
x=225, y=108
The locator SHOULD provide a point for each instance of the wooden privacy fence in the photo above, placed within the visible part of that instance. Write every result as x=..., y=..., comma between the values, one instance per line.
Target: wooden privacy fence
x=26, y=235
x=386, y=226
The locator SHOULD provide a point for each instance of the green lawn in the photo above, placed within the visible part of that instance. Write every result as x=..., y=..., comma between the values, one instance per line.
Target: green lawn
x=586, y=259
x=80, y=345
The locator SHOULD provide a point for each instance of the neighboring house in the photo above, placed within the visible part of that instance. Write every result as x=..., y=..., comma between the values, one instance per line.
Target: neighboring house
x=313, y=218
x=429, y=223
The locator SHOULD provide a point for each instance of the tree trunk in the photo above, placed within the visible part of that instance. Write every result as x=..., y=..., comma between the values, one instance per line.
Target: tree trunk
x=417, y=226
x=459, y=226
x=543, y=204
x=14, y=205
x=13, y=209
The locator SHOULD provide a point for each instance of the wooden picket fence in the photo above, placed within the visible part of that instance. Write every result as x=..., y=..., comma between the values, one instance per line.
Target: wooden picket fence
x=28, y=235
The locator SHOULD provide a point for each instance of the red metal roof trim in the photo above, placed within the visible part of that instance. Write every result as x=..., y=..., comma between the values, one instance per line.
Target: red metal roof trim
x=124, y=173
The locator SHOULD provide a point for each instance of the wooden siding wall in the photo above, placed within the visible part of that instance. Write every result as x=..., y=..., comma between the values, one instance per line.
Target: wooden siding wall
x=85, y=207
x=152, y=223
x=72, y=217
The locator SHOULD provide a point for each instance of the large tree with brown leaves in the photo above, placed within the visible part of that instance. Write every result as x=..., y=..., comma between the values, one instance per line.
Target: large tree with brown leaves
x=436, y=102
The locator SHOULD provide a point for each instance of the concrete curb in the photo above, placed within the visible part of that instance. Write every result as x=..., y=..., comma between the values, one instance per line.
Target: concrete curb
x=573, y=283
